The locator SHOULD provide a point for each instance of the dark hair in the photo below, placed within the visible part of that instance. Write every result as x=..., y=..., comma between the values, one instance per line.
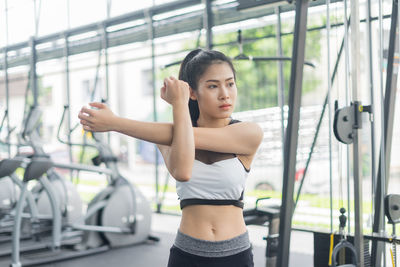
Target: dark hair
x=193, y=67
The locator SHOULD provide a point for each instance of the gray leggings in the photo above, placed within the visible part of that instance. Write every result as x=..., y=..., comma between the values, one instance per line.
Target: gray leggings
x=188, y=251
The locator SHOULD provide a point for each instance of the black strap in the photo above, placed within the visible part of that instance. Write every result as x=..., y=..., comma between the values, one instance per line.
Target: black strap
x=216, y=202
x=231, y=122
x=242, y=195
x=234, y=121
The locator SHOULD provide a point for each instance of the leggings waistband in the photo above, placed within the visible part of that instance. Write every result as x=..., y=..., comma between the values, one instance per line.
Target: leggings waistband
x=207, y=248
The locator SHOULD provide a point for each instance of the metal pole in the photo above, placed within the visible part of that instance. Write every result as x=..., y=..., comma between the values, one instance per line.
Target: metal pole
x=35, y=17
x=273, y=231
x=371, y=87
x=382, y=156
x=328, y=31
x=105, y=47
x=319, y=124
x=357, y=174
x=281, y=80
x=68, y=16
x=109, y=2
x=68, y=98
x=347, y=85
x=105, y=51
x=33, y=74
x=392, y=73
x=153, y=76
x=6, y=81
x=386, y=140
x=68, y=87
x=296, y=79
x=208, y=23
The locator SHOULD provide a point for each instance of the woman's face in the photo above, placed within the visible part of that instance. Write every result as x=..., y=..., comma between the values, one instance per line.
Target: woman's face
x=216, y=92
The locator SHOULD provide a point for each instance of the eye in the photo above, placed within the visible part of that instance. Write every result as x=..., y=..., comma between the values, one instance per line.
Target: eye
x=231, y=84
x=212, y=86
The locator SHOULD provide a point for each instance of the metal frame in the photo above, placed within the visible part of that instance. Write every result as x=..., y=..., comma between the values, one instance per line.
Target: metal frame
x=151, y=36
x=372, y=95
x=222, y=14
x=355, y=72
x=68, y=97
x=33, y=74
x=319, y=124
x=389, y=107
x=281, y=80
x=296, y=79
x=208, y=23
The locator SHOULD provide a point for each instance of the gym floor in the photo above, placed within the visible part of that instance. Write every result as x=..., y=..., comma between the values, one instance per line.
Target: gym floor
x=156, y=254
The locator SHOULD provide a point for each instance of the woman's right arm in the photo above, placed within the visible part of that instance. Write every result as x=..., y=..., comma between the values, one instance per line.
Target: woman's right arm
x=239, y=138
x=176, y=139
x=102, y=119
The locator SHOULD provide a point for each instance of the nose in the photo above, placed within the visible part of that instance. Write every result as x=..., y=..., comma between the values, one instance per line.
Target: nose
x=223, y=93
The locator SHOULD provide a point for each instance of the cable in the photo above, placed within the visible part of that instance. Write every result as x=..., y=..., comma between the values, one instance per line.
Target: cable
x=328, y=26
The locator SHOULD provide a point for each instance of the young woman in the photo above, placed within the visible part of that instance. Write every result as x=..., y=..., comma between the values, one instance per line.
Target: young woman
x=206, y=151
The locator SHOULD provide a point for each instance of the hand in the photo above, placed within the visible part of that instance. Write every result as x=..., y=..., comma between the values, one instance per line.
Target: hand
x=175, y=91
x=99, y=120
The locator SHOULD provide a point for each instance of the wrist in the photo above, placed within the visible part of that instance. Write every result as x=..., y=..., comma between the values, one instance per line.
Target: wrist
x=180, y=105
x=116, y=124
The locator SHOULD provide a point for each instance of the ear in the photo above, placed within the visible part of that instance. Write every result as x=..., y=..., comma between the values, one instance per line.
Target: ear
x=193, y=94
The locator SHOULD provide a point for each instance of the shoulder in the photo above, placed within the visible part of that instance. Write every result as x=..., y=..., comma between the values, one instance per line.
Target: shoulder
x=251, y=128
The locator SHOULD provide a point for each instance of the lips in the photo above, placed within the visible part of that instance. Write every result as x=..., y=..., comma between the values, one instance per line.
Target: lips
x=225, y=106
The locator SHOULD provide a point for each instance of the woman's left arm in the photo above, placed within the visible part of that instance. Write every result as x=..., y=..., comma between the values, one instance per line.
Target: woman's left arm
x=179, y=156
x=240, y=138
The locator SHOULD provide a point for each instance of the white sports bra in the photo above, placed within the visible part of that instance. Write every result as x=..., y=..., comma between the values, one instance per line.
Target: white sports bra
x=219, y=183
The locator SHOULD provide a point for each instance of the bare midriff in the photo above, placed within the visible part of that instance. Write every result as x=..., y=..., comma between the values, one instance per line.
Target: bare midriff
x=212, y=223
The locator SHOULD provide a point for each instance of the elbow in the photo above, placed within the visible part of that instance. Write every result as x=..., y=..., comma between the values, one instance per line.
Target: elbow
x=182, y=176
x=182, y=171
x=258, y=137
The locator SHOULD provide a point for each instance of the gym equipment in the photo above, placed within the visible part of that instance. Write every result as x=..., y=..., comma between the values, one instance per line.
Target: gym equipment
x=11, y=185
x=117, y=216
x=121, y=205
x=36, y=225
x=392, y=208
x=343, y=244
x=68, y=198
x=266, y=214
x=392, y=212
x=8, y=192
x=347, y=122
x=242, y=56
x=346, y=119
x=36, y=168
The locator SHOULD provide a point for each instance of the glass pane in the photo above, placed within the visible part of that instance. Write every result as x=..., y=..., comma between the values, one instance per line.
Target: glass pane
x=119, y=7
x=86, y=12
x=21, y=23
x=53, y=17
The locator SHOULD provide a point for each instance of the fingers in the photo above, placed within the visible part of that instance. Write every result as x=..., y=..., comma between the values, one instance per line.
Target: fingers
x=88, y=111
x=87, y=125
x=84, y=117
x=86, y=122
x=98, y=105
x=169, y=80
x=86, y=128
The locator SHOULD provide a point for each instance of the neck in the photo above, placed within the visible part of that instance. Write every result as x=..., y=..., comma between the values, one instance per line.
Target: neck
x=212, y=123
